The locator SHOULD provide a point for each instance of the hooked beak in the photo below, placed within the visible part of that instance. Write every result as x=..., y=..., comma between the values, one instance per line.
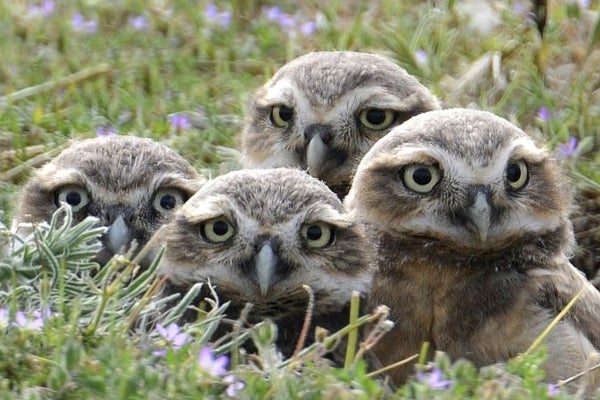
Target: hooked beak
x=479, y=213
x=316, y=154
x=118, y=235
x=318, y=150
x=264, y=263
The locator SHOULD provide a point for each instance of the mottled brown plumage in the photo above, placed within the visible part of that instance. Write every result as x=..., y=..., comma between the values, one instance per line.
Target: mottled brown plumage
x=470, y=220
x=258, y=236
x=132, y=185
x=322, y=111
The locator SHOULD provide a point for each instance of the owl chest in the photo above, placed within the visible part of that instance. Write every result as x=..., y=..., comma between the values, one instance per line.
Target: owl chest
x=446, y=307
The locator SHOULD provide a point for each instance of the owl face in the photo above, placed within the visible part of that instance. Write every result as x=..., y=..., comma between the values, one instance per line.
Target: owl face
x=322, y=111
x=258, y=236
x=131, y=185
x=463, y=182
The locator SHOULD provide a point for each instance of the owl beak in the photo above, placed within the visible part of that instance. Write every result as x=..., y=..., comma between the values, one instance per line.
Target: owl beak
x=318, y=147
x=264, y=263
x=479, y=213
x=118, y=235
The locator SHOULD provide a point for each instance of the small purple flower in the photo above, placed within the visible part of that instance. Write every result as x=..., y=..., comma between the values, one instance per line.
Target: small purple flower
x=212, y=14
x=421, y=56
x=519, y=8
x=234, y=386
x=308, y=28
x=138, y=22
x=79, y=24
x=173, y=334
x=180, y=122
x=553, y=390
x=32, y=324
x=544, y=113
x=105, y=131
x=275, y=14
x=45, y=9
x=581, y=3
x=434, y=379
x=214, y=366
x=4, y=316
x=567, y=150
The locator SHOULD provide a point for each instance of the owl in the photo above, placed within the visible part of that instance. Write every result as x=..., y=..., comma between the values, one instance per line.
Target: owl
x=258, y=236
x=470, y=222
x=132, y=185
x=322, y=111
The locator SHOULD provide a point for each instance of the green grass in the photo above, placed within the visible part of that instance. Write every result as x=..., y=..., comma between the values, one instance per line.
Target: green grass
x=183, y=63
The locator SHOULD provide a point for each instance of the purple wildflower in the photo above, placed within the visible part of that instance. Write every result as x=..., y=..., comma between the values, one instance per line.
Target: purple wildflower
x=173, y=334
x=79, y=24
x=105, y=131
x=308, y=28
x=234, y=386
x=567, y=150
x=138, y=22
x=275, y=14
x=22, y=321
x=434, y=379
x=212, y=14
x=519, y=8
x=214, y=366
x=544, y=113
x=421, y=56
x=44, y=9
x=180, y=122
x=553, y=390
x=4, y=315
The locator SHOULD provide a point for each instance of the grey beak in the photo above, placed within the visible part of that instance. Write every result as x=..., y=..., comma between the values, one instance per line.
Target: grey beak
x=316, y=153
x=265, y=262
x=479, y=214
x=118, y=235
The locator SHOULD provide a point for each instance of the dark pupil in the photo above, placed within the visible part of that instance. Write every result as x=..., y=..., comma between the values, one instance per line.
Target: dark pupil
x=220, y=228
x=376, y=116
x=314, y=233
x=286, y=113
x=168, y=202
x=73, y=198
x=513, y=172
x=422, y=176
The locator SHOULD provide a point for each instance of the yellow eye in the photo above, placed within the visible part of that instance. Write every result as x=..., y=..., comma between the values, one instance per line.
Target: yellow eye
x=420, y=178
x=317, y=234
x=75, y=196
x=376, y=118
x=281, y=115
x=217, y=230
x=167, y=199
x=517, y=175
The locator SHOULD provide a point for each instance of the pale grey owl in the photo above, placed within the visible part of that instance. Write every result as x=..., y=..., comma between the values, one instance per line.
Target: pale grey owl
x=132, y=185
x=470, y=222
x=258, y=236
x=322, y=111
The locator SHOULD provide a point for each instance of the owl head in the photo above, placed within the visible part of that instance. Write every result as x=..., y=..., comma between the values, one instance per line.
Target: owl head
x=461, y=184
x=322, y=111
x=258, y=236
x=132, y=185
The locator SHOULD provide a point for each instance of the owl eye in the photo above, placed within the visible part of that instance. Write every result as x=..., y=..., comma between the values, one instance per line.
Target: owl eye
x=421, y=178
x=217, y=230
x=376, y=118
x=281, y=115
x=317, y=234
x=75, y=196
x=167, y=199
x=517, y=175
